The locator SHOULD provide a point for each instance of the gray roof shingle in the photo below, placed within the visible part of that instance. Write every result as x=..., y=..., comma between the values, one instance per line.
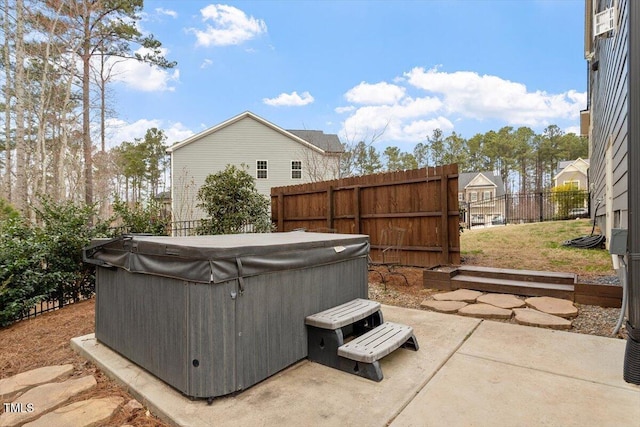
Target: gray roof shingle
x=327, y=142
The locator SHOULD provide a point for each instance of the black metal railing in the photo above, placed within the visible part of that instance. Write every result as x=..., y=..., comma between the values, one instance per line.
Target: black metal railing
x=525, y=207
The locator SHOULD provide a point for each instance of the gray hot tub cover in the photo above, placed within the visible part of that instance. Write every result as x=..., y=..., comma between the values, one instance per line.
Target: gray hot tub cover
x=216, y=259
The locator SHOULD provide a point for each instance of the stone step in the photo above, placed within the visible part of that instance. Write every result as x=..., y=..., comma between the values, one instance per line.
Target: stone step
x=448, y=307
x=531, y=317
x=502, y=300
x=554, y=306
x=85, y=413
x=26, y=380
x=466, y=295
x=41, y=399
x=485, y=311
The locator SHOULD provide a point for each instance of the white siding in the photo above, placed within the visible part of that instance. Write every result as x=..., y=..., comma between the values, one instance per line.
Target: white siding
x=244, y=141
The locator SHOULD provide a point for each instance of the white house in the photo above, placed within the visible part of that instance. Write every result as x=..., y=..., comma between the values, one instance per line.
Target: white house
x=573, y=173
x=274, y=156
x=481, y=195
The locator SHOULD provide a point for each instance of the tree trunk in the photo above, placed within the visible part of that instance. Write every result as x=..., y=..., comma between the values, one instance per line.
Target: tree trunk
x=87, y=146
x=7, y=111
x=19, y=82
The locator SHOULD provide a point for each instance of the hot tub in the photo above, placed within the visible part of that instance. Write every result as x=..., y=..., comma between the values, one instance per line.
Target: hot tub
x=212, y=315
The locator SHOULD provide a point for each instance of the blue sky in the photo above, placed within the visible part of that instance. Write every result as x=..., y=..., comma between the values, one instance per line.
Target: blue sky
x=354, y=67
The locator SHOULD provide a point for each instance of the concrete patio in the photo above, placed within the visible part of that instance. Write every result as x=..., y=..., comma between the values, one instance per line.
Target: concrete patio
x=467, y=372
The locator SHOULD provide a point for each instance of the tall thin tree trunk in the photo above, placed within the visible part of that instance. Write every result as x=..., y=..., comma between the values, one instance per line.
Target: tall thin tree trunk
x=87, y=146
x=7, y=99
x=21, y=149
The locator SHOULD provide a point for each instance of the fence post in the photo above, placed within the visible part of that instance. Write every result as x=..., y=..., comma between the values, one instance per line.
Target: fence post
x=541, y=207
x=356, y=208
x=330, y=207
x=444, y=205
x=280, y=212
x=506, y=208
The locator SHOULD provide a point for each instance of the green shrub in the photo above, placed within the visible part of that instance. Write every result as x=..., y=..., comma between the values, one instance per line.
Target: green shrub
x=7, y=211
x=232, y=203
x=149, y=218
x=44, y=262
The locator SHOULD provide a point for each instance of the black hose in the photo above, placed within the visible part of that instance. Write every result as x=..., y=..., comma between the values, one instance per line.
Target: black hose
x=585, y=242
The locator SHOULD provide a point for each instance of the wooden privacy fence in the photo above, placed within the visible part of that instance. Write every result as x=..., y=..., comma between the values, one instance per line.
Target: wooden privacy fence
x=423, y=201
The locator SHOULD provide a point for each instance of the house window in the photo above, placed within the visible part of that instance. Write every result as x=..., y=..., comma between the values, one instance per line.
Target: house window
x=474, y=196
x=573, y=185
x=261, y=169
x=486, y=195
x=296, y=169
x=461, y=197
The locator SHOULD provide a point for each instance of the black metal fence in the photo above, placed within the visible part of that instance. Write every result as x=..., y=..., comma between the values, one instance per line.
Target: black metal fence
x=522, y=208
x=46, y=306
x=184, y=228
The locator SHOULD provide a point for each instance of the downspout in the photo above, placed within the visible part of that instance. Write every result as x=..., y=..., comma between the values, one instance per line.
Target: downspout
x=632, y=353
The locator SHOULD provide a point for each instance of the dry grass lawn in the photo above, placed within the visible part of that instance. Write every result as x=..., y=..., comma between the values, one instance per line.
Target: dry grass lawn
x=535, y=247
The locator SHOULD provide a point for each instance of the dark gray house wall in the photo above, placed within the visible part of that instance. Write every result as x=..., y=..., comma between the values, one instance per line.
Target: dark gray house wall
x=610, y=61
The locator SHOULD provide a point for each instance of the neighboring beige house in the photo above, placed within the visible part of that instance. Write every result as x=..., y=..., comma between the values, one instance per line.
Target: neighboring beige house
x=573, y=173
x=274, y=156
x=483, y=193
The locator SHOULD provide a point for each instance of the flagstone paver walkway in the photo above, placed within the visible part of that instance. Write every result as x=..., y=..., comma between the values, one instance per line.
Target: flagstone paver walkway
x=37, y=398
x=545, y=312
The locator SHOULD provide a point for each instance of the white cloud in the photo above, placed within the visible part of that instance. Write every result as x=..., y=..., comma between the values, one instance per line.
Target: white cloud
x=229, y=26
x=378, y=93
x=143, y=76
x=422, y=100
x=491, y=97
x=347, y=109
x=206, y=63
x=402, y=120
x=168, y=12
x=119, y=131
x=289, y=100
x=573, y=129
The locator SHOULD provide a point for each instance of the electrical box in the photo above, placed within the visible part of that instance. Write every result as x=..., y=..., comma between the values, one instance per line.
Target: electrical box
x=618, y=241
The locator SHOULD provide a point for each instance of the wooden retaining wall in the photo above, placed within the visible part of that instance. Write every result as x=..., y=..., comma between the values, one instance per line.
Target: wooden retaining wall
x=423, y=201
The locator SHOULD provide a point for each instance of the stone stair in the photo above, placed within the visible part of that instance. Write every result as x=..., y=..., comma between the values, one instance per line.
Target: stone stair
x=547, y=312
x=38, y=398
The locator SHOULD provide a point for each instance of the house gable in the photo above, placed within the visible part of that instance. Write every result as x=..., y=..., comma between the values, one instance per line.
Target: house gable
x=481, y=180
x=242, y=116
x=573, y=171
x=272, y=155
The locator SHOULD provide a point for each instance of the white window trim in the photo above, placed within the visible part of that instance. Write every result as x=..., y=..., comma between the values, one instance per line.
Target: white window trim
x=570, y=182
x=605, y=21
x=473, y=196
x=296, y=170
x=485, y=192
x=266, y=170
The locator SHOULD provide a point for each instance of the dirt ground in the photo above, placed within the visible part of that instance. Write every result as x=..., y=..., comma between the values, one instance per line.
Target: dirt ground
x=44, y=340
